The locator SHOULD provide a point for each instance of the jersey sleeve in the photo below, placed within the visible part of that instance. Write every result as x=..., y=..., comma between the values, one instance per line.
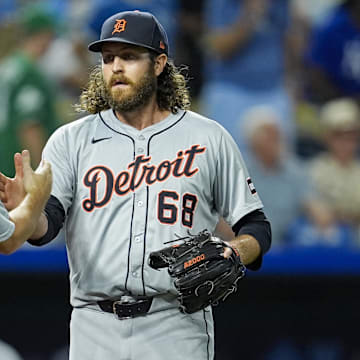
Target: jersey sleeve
x=57, y=153
x=7, y=227
x=234, y=193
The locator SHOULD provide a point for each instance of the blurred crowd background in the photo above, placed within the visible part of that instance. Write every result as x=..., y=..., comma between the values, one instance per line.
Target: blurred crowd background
x=282, y=76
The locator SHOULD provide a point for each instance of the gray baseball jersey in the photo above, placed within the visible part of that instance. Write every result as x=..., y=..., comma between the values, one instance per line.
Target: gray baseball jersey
x=7, y=227
x=126, y=192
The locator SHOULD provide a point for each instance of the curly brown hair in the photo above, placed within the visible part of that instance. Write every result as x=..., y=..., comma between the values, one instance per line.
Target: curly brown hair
x=172, y=92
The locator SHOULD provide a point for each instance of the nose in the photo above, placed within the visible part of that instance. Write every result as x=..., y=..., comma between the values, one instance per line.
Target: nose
x=118, y=65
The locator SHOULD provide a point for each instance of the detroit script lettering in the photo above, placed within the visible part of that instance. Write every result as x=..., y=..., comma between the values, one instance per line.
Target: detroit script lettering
x=138, y=171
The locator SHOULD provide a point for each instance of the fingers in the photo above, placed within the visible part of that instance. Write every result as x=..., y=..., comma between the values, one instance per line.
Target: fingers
x=27, y=170
x=3, y=197
x=18, y=162
x=3, y=180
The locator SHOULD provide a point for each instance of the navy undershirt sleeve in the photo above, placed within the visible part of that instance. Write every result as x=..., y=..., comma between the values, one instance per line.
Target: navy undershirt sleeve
x=55, y=214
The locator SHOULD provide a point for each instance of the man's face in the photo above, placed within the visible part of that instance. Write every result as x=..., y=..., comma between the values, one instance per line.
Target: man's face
x=267, y=143
x=343, y=144
x=129, y=76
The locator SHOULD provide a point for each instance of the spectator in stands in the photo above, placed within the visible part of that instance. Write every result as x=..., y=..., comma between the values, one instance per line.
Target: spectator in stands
x=335, y=174
x=277, y=174
x=245, y=66
x=333, y=57
x=298, y=218
x=28, y=111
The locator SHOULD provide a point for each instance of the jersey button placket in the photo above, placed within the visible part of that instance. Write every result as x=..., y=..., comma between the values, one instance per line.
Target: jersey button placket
x=138, y=241
x=140, y=148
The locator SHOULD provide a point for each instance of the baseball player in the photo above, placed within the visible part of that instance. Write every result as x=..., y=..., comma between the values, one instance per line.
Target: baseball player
x=139, y=171
x=20, y=223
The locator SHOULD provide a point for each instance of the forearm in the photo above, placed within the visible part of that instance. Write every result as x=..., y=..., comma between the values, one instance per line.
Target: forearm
x=248, y=248
x=41, y=227
x=26, y=219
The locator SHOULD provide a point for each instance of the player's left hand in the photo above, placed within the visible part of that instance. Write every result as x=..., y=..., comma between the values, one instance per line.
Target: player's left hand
x=12, y=190
x=205, y=270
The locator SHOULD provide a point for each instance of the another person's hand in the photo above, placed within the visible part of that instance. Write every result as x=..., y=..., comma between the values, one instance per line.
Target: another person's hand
x=38, y=182
x=12, y=190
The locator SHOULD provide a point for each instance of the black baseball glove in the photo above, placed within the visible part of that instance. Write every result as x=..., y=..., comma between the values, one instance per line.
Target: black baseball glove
x=202, y=275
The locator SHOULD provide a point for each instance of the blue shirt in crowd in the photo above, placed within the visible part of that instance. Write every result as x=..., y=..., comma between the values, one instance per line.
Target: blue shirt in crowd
x=335, y=47
x=283, y=191
x=260, y=64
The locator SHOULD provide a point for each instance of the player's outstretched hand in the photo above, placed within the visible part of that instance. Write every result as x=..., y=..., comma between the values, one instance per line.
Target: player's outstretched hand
x=12, y=190
x=36, y=182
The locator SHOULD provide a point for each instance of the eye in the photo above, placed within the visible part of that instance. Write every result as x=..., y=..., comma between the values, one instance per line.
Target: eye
x=108, y=58
x=129, y=56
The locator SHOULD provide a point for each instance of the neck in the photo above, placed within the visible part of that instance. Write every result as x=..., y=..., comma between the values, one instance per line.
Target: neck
x=143, y=117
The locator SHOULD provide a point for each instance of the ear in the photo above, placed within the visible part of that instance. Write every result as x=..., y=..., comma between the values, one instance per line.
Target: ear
x=160, y=63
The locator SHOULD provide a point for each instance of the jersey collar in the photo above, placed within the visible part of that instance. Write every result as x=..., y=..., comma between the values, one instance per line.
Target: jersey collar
x=111, y=122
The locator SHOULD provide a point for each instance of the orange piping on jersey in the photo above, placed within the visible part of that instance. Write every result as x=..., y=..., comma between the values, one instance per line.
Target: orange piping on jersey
x=160, y=168
x=91, y=180
x=177, y=212
x=139, y=171
x=193, y=211
x=125, y=182
x=192, y=152
x=177, y=164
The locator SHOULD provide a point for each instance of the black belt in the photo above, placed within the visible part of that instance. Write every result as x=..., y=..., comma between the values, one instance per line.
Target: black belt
x=126, y=307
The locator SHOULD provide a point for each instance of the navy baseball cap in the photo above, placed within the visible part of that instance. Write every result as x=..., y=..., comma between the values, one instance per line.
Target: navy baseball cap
x=133, y=27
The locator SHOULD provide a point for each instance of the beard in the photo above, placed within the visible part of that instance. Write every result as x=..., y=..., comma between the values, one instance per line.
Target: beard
x=136, y=96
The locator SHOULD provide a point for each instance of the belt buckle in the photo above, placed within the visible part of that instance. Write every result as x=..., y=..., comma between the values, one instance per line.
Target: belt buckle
x=125, y=301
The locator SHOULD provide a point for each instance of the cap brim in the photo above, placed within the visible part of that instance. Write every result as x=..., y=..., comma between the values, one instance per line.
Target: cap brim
x=96, y=46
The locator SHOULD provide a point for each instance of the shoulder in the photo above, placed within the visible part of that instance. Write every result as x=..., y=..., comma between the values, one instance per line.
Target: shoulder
x=76, y=130
x=208, y=131
x=206, y=125
x=79, y=124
